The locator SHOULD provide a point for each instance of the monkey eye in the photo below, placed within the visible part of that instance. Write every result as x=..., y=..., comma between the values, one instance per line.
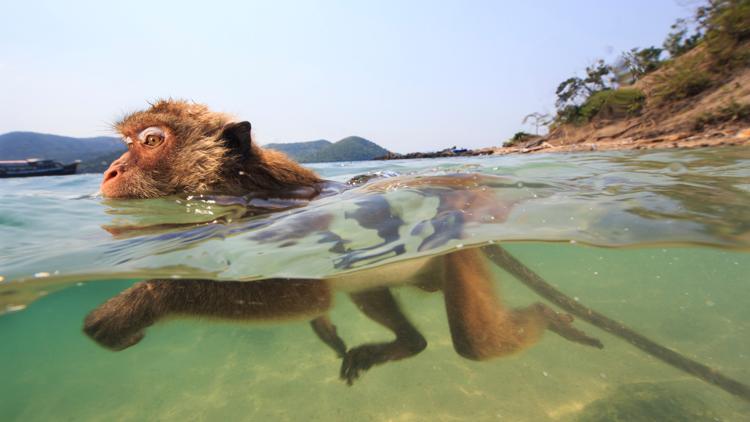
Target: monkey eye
x=151, y=137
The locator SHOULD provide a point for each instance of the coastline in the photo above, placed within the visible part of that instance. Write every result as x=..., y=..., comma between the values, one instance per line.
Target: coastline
x=715, y=138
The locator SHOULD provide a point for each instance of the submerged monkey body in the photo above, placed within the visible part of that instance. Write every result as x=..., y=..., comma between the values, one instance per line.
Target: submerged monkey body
x=181, y=148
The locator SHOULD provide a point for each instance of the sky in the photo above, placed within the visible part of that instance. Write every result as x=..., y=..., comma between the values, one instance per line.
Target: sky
x=409, y=75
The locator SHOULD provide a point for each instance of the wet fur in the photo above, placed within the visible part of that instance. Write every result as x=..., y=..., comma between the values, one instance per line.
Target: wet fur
x=210, y=152
x=202, y=163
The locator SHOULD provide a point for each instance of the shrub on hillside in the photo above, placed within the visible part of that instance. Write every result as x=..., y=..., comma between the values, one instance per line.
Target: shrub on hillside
x=733, y=111
x=727, y=25
x=682, y=79
x=613, y=104
x=517, y=138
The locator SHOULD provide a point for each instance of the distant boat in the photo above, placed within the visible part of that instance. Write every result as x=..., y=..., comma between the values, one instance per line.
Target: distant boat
x=36, y=167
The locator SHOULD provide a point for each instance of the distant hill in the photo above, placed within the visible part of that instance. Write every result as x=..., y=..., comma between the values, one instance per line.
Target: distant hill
x=352, y=148
x=91, y=151
x=97, y=153
x=299, y=150
x=98, y=164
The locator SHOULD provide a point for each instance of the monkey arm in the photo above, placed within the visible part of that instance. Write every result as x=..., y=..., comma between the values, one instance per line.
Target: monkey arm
x=119, y=322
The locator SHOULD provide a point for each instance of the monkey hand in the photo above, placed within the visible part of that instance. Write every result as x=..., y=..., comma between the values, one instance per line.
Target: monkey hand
x=119, y=322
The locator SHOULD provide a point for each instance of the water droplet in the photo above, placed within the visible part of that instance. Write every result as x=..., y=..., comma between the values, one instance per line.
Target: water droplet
x=41, y=274
x=596, y=272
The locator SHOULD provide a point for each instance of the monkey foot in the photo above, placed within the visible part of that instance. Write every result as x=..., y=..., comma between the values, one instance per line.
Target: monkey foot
x=562, y=325
x=360, y=359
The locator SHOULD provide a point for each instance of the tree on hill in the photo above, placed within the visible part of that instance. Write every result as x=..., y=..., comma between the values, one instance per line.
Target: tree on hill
x=636, y=63
x=537, y=119
x=682, y=38
x=720, y=27
x=574, y=90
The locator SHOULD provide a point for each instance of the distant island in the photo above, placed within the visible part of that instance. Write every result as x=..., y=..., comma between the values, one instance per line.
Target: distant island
x=94, y=153
x=97, y=153
x=352, y=148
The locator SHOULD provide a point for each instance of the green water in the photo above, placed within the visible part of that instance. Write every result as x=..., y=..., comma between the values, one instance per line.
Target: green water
x=678, y=275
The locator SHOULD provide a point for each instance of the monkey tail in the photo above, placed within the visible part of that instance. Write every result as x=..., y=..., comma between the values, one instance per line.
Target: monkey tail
x=504, y=259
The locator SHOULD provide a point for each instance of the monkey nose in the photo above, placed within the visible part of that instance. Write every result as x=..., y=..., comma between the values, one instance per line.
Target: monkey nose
x=111, y=173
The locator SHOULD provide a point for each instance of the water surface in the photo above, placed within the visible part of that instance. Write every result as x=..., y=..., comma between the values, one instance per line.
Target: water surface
x=657, y=240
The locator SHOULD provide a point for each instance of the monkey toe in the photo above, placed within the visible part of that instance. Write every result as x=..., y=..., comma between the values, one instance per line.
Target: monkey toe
x=564, y=328
x=562, y=325
x=360, y=359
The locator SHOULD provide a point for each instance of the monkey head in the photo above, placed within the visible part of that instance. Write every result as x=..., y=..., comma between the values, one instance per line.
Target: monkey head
x=177, y=147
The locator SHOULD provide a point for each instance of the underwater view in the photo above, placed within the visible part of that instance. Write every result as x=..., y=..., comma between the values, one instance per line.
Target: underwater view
x=649, y=251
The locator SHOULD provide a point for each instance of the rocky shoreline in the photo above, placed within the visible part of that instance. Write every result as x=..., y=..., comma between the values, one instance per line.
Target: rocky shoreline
x=714, y=138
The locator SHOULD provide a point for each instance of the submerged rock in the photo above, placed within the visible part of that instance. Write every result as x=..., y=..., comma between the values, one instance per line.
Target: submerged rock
x=647, y=402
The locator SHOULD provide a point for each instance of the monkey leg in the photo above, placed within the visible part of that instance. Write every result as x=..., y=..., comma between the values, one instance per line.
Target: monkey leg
x=326, y=332
x=120, y=322
x=481, y=327
x=379, y=305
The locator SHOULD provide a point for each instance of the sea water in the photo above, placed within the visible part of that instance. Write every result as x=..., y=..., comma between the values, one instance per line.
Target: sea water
x=657, y=241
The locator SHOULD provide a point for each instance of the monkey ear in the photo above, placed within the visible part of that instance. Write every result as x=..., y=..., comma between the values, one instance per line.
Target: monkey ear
x=236, y=136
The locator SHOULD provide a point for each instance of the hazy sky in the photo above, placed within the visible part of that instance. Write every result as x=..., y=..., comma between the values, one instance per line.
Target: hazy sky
x=409, y=75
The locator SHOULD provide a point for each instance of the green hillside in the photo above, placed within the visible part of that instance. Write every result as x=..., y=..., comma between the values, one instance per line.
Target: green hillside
x=352, y=148
x=22, y=145
x=298, y=150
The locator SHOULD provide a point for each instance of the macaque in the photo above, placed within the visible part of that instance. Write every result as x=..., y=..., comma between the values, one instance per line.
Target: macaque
x=181, y=148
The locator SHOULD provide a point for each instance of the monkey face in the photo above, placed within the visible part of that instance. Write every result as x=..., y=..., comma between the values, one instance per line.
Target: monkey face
x=138, y=172
x=175, y=147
